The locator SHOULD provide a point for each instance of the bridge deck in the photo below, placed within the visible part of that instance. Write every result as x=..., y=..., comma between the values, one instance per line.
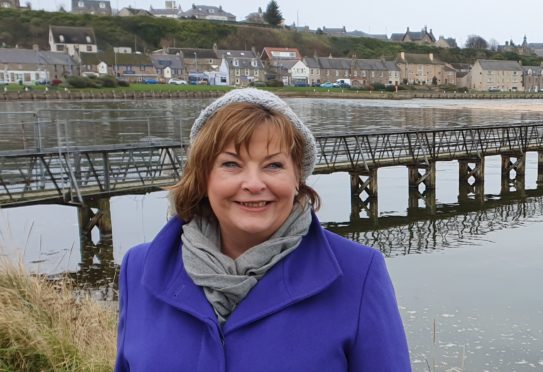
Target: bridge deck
x=72, y=173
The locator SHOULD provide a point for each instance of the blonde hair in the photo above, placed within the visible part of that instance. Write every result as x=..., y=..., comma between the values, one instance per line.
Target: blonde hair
x=234, y=123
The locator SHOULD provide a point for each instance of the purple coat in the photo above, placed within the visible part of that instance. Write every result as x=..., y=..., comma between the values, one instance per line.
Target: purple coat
x=327, y=306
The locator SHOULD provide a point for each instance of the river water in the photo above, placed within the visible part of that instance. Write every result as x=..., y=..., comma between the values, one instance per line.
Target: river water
x=467, y=277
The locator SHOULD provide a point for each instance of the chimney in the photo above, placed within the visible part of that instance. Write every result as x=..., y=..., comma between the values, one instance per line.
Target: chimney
x=431, y=56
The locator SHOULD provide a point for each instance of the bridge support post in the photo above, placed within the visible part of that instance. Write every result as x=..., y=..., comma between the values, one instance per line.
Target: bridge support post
x=540, y=169
x=426, y=178
x=513, y=172
x=364, y=194
x=471, y=178
x=96, y=213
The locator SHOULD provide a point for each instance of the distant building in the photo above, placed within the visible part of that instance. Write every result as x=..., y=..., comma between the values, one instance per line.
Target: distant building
x=168, y=65
x=424, y=37
x=29, y=66
x=240, y=67
x=357, y=33
x=133, y=67
x=170, y=10
x=10, y=4
x=334, y=31
x=496, y=75
x=211, y=13
x=424, y=69
x=443, y=42
x=256, y=17
x=72, y=40
x=131, y=12
x=532, y=78
x=96, y=7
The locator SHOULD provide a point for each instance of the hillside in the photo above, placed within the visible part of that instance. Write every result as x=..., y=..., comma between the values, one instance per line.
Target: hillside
x=24, y=28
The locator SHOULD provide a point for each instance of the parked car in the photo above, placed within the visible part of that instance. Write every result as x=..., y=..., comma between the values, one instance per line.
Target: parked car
x=150, y=81
x=3, y=82
x=177, y=81
x=329, y=85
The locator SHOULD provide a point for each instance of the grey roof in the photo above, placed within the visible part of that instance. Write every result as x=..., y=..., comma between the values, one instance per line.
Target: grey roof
x=133, y=12
x=421, y=59
x=311, y=62
x=370, y=64
x=73, y=35
x=391, y=66
x=206, y=11
x=135, y=59
x=167, y=60
x=30, y=56
x=335, y=63
x=536, y=70
x=244, y=58
x=200, y=53
x=165, y=12
x=396, y=37
x=496, y=65
x=91, y=6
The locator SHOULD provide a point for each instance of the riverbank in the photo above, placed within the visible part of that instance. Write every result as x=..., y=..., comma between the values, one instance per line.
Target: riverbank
x=44, y=327
x=209, y=92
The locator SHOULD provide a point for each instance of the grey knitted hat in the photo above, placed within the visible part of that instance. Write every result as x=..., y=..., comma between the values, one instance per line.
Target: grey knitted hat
x=271, y=102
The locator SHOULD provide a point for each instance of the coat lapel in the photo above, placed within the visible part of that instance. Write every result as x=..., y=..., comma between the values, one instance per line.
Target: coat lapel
x=165, y=277
x=308, y=270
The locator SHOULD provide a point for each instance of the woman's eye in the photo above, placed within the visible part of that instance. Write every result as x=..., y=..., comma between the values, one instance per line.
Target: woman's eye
x=275, y=165
x=229, y=164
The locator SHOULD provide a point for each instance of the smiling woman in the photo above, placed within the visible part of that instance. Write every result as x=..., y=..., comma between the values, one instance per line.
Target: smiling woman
x=244, y=278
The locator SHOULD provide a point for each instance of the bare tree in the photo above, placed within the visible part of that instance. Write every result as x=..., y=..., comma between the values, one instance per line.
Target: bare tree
x=476, y=42
x=493, y=45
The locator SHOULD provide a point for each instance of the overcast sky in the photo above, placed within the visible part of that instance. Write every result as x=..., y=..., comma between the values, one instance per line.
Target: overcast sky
x=492, y=19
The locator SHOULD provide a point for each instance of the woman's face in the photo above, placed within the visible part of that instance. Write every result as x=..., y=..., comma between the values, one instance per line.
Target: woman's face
x=252, y=192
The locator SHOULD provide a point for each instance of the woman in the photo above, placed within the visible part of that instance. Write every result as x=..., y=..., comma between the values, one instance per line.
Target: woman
x=245, y=278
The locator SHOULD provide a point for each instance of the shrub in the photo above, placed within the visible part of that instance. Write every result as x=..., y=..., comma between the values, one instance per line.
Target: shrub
x=78, y=82
x=108, y=81
x=56, y=82
x=275, y=83
x=123, y=83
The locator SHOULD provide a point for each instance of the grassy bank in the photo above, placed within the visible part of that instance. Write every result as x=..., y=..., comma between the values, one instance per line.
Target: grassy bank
x=44, y=327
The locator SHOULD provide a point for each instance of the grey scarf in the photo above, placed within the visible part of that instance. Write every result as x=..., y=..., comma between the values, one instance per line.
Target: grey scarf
x=226, y=281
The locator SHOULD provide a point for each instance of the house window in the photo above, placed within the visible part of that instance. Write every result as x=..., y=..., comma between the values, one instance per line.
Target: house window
x=102, y=5
x=253, y=62
x=61, y=38
x=81, y=4
x=246, y=72
x=327, y=72
x=235, y=62
x=256, y=72
x=210, y=61
x=60, y=48
x=88, y=38
x=373, y=74
x=355, y=73
x=311, y=71
x=238, y=72
x=142, y=67
x=237, y=81
x=89, y=48
x=363, y=73
x=337, y=72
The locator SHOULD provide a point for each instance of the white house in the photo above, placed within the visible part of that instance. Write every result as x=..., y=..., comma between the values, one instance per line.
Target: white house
x=72, y=40
x=299, y=73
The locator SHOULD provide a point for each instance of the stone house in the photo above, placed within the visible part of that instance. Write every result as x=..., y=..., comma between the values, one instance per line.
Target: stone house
x=29, y=66
x=299, y=74
x=241, y=67
x=211, y=13
x=424, y=69
x=168, y=66
x=366, y=72
x=331, y=68
x=278, y=62
x=132, y=67
x=96, y=7
x=394, y=77
x=496, y=75
x=532, y=78
x=443, y=42
x=314, y=72
x=423, y=37
x=72, y=40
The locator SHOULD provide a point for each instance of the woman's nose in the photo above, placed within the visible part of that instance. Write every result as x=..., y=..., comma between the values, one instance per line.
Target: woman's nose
x=253, y=181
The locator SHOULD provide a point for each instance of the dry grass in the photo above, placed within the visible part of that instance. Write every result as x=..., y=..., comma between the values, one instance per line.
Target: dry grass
x=44, y=327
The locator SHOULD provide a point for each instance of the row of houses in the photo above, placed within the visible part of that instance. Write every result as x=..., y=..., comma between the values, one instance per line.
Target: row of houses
x=74, y=51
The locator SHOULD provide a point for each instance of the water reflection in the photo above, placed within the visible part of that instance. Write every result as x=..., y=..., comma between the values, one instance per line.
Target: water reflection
x=445, y=226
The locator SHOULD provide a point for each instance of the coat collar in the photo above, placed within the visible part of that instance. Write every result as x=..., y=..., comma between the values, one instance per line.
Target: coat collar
x=308, y=270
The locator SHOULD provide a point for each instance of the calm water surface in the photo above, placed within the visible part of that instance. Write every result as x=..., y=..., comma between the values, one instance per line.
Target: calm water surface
x=467, y=278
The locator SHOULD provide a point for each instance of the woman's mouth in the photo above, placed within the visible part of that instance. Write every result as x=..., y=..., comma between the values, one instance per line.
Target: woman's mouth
x=258, y=204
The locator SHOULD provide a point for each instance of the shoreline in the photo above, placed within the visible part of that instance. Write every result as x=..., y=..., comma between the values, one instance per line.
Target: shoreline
x=123, y=95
